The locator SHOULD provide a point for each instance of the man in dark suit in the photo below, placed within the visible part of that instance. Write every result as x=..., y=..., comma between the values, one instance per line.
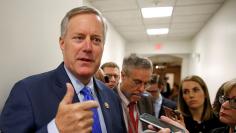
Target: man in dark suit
x=55, y=101
x=155, y=103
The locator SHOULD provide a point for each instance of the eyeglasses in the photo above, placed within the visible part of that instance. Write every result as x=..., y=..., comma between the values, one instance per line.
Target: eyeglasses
x=139, y=83
x=106, y=79
x=232, y=101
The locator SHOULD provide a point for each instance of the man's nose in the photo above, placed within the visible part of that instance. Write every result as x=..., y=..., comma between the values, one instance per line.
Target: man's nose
x=113, y=78
x=88, y=43
x=142, y=88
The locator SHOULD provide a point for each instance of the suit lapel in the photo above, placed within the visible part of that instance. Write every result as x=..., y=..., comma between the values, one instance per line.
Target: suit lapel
x=60, y=83
x=103, y=101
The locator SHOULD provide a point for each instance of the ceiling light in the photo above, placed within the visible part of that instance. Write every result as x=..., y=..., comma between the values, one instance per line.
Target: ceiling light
x=152, y=12
x=157, y=31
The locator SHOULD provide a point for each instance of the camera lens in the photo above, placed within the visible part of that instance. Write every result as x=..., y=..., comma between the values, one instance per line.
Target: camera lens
x=106, y=78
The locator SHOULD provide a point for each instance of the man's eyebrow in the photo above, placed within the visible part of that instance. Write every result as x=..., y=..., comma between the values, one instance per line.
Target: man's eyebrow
x=95, y=35
x=78, y=34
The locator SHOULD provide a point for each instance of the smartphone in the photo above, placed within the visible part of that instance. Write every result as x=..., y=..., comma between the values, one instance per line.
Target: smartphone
x=172, y=114
x=152, y=120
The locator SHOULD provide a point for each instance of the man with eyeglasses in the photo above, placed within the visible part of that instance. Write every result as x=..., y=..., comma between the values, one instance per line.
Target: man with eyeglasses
x=112, y=72
x=135, y=75
x=160, y=105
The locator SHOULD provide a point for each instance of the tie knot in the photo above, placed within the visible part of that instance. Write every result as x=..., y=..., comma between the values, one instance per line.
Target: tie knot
x=131, y=105
x=85, y=91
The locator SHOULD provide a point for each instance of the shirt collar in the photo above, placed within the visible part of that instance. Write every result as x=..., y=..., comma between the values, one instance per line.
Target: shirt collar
x=122, y=96
x=78, y=85
x=159, y=99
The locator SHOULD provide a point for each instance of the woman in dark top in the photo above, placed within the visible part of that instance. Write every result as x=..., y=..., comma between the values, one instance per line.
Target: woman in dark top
x=194, y=104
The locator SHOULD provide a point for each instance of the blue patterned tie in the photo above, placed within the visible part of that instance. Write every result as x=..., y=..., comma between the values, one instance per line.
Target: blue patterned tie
x=96, y=124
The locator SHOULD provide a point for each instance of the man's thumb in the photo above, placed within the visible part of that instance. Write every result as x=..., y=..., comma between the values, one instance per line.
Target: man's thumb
x=69, y=94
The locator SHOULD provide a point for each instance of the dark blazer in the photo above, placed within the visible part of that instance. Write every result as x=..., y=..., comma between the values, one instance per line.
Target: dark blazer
x=33, y=103
x=146, y=105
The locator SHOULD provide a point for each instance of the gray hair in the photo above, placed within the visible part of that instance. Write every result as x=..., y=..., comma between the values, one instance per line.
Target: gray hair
x=81, y=10
x=135, y=62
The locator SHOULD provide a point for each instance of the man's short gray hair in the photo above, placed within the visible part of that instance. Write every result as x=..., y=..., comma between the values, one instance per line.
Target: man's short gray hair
x=135, y=62
x=81, y=10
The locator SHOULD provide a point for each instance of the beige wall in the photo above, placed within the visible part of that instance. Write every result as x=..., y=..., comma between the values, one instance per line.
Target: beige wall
x=215, y=46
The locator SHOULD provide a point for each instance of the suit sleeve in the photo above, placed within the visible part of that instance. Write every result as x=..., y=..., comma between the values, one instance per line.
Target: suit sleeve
x=17, y=115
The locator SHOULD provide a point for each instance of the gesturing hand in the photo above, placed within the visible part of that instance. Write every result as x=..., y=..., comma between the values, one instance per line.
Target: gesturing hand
x=74, y=117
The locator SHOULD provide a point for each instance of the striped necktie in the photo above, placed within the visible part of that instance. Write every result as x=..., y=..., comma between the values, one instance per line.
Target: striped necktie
x=96, y=123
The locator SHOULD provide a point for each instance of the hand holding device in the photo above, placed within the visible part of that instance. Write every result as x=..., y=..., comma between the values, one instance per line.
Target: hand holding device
x=152, y=120
x=172, y=114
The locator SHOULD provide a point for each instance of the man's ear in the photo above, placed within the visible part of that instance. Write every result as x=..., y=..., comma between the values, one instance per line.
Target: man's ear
x=62, y=43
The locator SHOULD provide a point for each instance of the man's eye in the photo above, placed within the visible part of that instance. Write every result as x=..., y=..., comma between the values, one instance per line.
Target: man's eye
x=137, y=82
x=78, y=38
x=185, y=91
x=96, y=40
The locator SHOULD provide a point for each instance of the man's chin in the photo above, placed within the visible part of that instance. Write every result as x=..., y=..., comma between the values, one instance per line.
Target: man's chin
x=111, y=86
x=85, y=75
x=135, y=97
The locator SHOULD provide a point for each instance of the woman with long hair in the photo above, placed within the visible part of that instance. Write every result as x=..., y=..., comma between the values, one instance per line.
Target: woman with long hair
x=195, y=106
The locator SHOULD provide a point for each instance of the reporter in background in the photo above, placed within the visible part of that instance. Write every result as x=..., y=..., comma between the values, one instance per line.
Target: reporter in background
x=135, y=75
x=227, y=113
x=112, y=71
x=158, y=102
x=194, y=104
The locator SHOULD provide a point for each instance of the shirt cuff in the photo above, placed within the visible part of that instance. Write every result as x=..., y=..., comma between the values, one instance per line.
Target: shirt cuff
x=51, y=127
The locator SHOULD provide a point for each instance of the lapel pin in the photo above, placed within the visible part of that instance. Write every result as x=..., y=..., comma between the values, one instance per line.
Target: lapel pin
x=106, y=105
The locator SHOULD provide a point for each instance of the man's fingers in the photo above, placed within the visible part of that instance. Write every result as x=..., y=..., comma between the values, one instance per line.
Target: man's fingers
x=87, y=105
x=69, y=94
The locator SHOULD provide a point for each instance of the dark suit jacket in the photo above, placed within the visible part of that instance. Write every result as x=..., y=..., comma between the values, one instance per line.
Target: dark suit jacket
x=146, y=105
x=33, y=103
